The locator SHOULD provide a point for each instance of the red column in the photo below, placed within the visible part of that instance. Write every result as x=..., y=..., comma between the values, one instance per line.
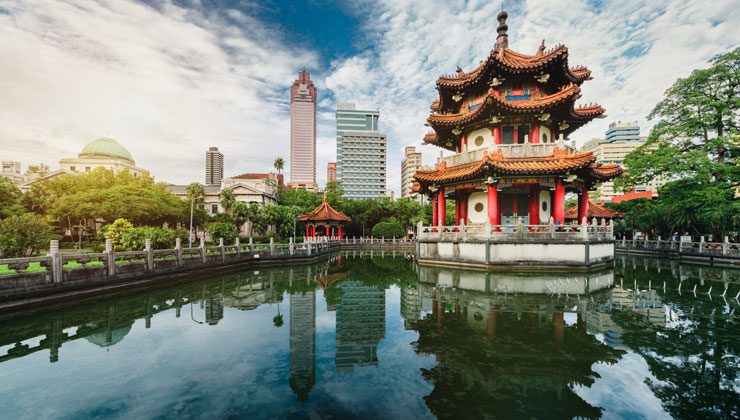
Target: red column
x=494, y=213
x=535, y=135
x=582, y=205
x=516, y=136
x=435, y=218
x=306, y=231
x=558, y=206
x=491, y=326
x=534, y=205
x=497, y=134
x=327, y=229
x=463, y=143
x=341, y=235
x=464, y=207
x=441, y=205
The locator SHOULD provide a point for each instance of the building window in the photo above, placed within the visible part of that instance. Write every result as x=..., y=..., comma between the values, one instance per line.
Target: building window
x=214, y=208
x=87, y=169
x=73, y=169
x=478, y=207
x=507, y=134
x=544, y=138
x=523, y=130
x=479, y=141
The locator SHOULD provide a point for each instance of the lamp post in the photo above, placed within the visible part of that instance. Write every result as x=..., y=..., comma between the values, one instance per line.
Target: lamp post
x=190, y=236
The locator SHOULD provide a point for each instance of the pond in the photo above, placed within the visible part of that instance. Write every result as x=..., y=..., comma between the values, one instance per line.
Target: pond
x=361, y=336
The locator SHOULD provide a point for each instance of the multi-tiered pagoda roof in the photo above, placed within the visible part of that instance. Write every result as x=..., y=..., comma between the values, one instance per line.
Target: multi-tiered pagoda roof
x=511, y=88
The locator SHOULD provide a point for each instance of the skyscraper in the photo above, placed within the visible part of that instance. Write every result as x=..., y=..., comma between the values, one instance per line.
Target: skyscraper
x=214, y=166
x=303, y=133
x=361, y=153
x=409, y=165
x=623, y=131
x=331, y=171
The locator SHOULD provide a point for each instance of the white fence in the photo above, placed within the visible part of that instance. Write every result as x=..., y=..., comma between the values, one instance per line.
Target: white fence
x=596, y=230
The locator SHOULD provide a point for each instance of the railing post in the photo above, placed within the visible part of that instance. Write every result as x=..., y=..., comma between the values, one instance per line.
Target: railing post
x=645, y=245
x=551, y=222
x=291, y=246
x=584, y=228
x=488, y=228
x=251, y=246
x=308, y=248
x=624, y=241
x=238, y=248
x=203, y=256
x=221, y=249
x=272, y=246
x=178, y=250
x=56, y=261
x=110, y=256
x=149, y=254
x=724, y=245
x=419, y=229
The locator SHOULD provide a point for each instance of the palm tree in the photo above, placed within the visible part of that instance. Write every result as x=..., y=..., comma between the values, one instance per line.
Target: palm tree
x=278, y=319
x=227, y=199
x=196, y=192
x=279, y=164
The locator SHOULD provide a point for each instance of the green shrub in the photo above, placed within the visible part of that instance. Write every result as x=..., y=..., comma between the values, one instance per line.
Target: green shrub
x=135, y=239
x=100, y=236
x=24, y=235
x=116, y=231
x=222, y=230
x=388, y=230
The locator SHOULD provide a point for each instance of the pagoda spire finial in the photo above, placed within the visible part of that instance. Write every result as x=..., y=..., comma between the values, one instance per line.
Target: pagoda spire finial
x=502, y=40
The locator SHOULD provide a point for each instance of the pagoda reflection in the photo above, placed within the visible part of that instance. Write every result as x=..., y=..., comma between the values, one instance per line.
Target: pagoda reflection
x=506, y=354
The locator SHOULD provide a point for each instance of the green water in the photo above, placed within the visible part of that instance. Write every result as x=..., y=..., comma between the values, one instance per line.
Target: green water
x=380, y=338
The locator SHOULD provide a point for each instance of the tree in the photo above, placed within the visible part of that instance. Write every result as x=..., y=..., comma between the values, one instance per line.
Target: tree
x=388, y=230
x=224, y=230
x=696, y=144
x=196, y=192
x=23, y=236
x=279, y=164
x=227, y=199
x=117, y=230
x=10, y=199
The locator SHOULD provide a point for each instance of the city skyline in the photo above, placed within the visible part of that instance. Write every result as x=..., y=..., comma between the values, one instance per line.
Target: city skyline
x=194, y=77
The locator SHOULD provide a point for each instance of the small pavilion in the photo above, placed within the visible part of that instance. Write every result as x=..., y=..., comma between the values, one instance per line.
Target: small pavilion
x=595, y=211
x=324, y=215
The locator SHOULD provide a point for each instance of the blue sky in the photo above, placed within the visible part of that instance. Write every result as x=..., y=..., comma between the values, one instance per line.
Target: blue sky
x=169, y=78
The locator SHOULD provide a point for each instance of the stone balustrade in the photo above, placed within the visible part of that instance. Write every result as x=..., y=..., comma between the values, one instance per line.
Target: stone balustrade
x=508, y=151
x=685, y=248
x=31, y=275
x=596, y=230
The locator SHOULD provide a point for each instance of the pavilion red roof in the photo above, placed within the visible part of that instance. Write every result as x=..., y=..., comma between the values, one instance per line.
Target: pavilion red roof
x=594, y=210
x=559, y=163
x=323, y=213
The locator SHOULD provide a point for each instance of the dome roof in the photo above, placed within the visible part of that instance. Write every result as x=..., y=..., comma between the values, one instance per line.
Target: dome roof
x=106, y=148
x=102, y=339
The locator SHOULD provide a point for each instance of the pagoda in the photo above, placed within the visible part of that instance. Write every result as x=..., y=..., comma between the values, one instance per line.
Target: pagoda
x=508, y=122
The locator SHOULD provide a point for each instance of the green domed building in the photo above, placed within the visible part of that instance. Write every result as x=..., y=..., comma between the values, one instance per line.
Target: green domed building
x=105, y=152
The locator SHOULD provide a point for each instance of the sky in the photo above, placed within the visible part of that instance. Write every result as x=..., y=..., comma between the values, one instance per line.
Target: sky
x=170, y=78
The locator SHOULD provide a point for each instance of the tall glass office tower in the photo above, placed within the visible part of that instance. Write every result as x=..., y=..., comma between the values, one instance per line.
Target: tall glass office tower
x=303, y=133
x=361, y=153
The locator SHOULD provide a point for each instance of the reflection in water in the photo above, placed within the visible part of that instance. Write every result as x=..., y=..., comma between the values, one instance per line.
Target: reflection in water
x=302, y=343
x=461, y=344
x=360, y=325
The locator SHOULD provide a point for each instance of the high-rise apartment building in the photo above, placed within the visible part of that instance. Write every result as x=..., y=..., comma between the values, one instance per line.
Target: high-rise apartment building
x=214, y=166
x=409, y=165
x=331, y=172
x=303, y=133
x=361, y=153
x=621, y=139
x=623, y=131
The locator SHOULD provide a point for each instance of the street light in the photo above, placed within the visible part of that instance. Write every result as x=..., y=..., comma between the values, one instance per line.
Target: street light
x=190, y=236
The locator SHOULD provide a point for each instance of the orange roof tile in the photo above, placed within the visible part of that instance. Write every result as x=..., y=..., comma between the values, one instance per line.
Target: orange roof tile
x=513, y=61
x=594, y=210
x=607, y=172
x=537, y=104
x=561, y=162
x=323, y=213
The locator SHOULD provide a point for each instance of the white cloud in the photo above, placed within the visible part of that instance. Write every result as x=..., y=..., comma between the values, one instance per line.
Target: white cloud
x=166, y=82
x=417, y=41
